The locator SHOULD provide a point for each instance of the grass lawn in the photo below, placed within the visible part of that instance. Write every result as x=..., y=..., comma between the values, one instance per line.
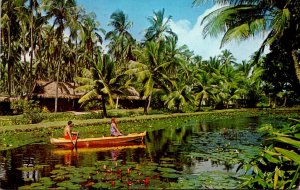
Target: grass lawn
x=129, y=115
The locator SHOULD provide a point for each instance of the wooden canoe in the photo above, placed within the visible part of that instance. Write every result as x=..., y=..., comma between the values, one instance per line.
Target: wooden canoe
x=98, y=141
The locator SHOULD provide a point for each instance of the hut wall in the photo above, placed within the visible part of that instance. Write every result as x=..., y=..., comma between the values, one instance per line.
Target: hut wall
x=130, y=104
x=5, y=108
x=63, y=104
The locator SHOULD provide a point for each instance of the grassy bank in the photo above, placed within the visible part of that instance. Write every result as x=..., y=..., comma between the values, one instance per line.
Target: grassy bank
x=13, y=136
x=136, y=115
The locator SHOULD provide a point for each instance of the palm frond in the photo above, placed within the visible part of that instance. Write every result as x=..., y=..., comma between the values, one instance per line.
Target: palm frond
x=88, y=96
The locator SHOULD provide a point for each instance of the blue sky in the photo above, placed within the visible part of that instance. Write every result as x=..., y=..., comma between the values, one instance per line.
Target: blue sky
x=185, y=23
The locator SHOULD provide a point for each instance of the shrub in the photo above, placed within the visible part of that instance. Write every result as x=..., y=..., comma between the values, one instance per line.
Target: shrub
x=30, y=110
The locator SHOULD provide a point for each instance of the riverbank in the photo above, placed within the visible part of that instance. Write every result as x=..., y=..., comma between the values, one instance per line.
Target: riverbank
x=135, y=118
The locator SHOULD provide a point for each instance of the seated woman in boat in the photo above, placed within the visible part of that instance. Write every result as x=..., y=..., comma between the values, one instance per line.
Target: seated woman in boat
x=68, y=133
x=114, y=131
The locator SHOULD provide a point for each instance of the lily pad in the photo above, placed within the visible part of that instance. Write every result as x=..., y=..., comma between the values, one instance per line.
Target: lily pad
x=168, y=170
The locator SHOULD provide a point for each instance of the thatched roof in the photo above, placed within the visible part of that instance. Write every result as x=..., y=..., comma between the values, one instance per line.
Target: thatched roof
x=8, y=99
x=47, y=89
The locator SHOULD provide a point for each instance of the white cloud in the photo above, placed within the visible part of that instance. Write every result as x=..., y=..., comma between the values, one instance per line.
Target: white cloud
x=209, y=47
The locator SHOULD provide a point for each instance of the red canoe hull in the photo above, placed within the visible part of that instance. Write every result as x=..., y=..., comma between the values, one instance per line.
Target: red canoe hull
x=99, y=142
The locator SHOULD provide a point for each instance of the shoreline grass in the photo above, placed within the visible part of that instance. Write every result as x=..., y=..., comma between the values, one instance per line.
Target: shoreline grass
x=134, y=118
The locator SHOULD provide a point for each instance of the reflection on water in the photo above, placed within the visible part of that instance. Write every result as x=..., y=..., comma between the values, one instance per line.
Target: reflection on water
x=197, y=147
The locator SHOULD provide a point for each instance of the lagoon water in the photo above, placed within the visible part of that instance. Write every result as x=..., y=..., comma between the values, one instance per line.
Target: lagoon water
x=197, y=154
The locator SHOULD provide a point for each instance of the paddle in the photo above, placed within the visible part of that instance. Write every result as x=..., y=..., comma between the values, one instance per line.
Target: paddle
x=75, y=143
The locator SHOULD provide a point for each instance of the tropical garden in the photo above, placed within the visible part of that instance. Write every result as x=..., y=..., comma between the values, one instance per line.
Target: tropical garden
x=60, y=41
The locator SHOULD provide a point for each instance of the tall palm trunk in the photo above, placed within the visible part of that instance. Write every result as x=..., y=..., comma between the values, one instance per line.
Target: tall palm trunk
x=58, y=72
x=199, y=106
x=10, y=74
x=31, y=55
x=296, y=64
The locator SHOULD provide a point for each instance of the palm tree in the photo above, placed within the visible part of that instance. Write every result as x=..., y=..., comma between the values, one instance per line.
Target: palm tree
x=227, y=58
x=59, y=10
x=10, y=32
x=242, y=19
x=179, y=96
x=91, y=38
x=150, y=70
x=159, y=28
x=120, y=35
x=202, y=87
x=97, y=81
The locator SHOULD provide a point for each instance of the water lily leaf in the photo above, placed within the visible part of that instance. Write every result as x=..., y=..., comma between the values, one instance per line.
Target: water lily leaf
x=167, y=165
x=26, y=187
x=77, y=179
x=170, y=175
x=100, y=185
x=168, y=170
x=46, y=181
x=68, y=185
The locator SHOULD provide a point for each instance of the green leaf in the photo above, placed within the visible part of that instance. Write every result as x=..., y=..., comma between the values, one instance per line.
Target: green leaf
x=290, y=154
x=277, y=171
x=288, y=141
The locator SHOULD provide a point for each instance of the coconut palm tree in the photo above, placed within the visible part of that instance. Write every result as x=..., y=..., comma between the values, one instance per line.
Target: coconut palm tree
x=202, y=87
x=97, y=81
x=10, y=34
x=227, y=58
x=159, y=27
x=242, y=19
x=91, y=38
x=59, y=10
x=150, y=70
x=120, y=35
x=179, y=96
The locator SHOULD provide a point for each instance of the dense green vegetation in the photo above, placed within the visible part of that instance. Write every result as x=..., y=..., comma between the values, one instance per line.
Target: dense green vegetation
x=165, y=74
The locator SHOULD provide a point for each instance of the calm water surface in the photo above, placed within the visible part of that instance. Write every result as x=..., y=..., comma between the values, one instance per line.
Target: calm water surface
x=194, y=149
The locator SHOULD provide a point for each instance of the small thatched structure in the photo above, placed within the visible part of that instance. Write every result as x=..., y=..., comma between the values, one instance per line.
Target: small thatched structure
x=45, y=93
x=45, y=89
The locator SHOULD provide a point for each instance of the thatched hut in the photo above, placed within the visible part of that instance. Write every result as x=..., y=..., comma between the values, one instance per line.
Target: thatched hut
x=45, y=93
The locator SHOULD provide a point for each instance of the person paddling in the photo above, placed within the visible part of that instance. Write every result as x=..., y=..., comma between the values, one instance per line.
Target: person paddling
x=114, y=131
x=69, y=134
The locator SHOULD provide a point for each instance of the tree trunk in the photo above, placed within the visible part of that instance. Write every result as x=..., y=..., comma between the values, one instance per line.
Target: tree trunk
x=57, y=76
x=284, y=102
x=9, y=76
x=117, y=102
x=31, y=56
x=199, y=106
x=296, y=64
x=147, y=104
x=103, y=107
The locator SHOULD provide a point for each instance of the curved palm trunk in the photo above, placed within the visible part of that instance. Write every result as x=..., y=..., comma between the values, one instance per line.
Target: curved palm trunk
x=296, y=64
x=147, y=104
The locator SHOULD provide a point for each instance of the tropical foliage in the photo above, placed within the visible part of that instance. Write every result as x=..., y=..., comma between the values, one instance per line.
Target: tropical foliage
x=278, y=165
x=67, y=46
